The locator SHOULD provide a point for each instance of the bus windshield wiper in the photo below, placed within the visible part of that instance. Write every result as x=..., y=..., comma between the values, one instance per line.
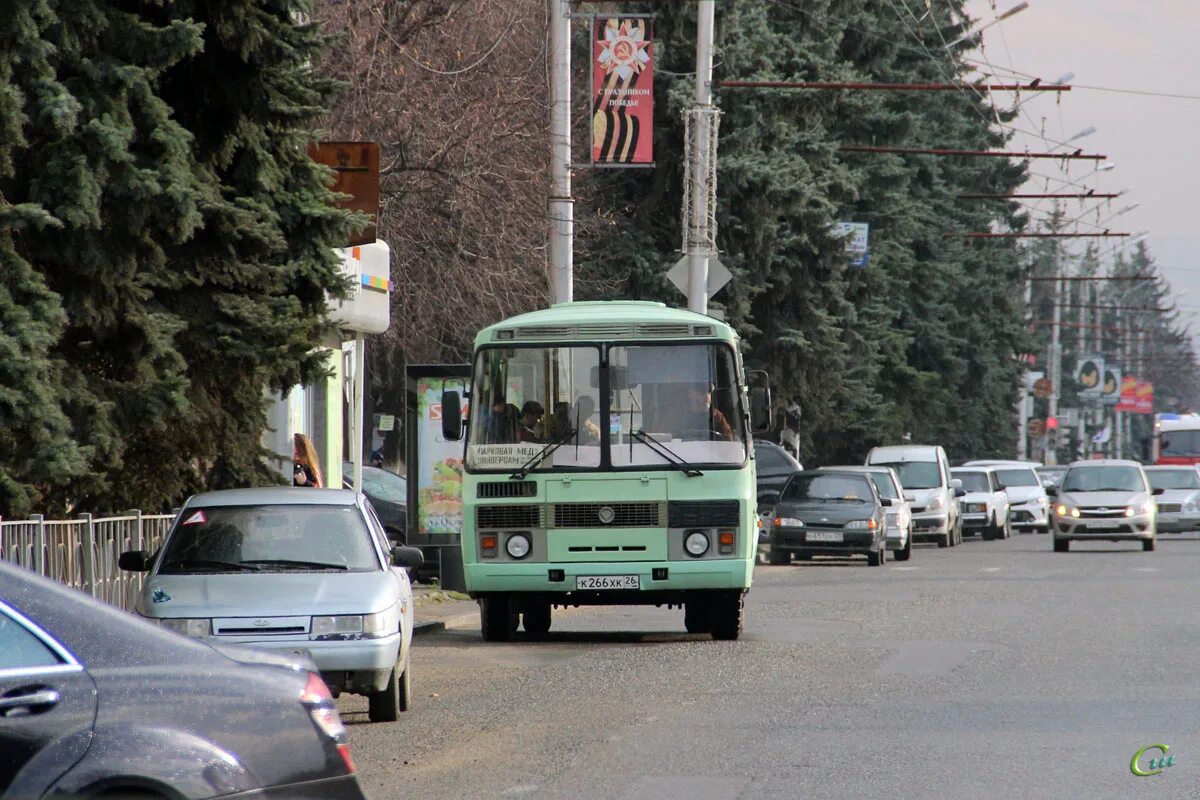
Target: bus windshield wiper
x=667, y=453
x=545, y=451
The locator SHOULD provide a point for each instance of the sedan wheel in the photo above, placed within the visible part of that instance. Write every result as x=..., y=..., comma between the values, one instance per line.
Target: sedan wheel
x=906, y=553
x=386, y=706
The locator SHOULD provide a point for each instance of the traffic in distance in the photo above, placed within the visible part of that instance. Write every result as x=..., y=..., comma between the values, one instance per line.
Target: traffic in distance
x=609, y=459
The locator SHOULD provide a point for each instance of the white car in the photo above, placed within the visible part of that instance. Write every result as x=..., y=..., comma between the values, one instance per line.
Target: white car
x=1179, y=503
x=1108, y=500
x=899, y=513
x=307, y=571
x=924, y=472
x=985, y=505
x=1029, y=505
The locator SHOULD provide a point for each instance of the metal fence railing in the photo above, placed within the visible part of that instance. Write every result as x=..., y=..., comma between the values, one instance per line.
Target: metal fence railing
x=83, y=552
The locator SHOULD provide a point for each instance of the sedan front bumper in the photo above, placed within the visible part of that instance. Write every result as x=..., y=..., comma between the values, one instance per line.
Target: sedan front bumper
x=347, y=665
x=1113, y=529
x=930, y=526
x=795, y=540
x=1181, y=522
x=1029, y=515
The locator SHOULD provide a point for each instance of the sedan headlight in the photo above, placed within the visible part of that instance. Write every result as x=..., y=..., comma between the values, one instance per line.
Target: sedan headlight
x=1064, y=510
x=861, y=525
x=369, y=625
x=936, y=504
x=188, y=627
x=1139, y=508
x=976, y=508
x=1191, y=505
x=788, y=522
x=1042, y=500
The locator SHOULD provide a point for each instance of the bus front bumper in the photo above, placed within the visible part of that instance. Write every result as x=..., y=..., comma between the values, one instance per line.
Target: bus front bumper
x=653, y=577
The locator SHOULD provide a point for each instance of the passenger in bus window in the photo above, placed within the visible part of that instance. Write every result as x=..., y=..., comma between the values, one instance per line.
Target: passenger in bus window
x=531, y=421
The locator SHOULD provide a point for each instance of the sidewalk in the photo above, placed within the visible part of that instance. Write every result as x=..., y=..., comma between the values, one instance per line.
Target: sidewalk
x=437, y=609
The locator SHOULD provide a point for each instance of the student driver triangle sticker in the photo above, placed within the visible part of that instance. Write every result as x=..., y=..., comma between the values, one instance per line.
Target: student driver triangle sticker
x=196, y=519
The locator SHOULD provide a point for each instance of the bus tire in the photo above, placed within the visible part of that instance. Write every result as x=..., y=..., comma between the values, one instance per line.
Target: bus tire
x=726, y=614
x=497, y=618
x=537, y=618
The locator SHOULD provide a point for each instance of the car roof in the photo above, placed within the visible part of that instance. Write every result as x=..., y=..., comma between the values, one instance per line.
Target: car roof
x=972, y=468
x=928, y=452
x=1105, y=462
x=1002, y=463
x=274, y=496
x=1161, y=467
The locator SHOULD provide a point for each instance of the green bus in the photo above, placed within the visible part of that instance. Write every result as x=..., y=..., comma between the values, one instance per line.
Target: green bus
x=608, y=461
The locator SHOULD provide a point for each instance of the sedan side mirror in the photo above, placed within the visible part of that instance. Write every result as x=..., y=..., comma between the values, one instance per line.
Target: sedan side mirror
x=960, y=492
x=886, y=502
x=452, y=421
x=408, y=557
x=134, y=561
x=1157, y=491
x=1051, y=491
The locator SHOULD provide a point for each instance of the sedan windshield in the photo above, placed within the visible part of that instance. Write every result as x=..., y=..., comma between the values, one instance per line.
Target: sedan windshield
x=827, y=488
x=1174, y=478
x=287, y=538
x=1023, y=476
x=915, y=474
x=1103, y=479
x=973, y=481
x=884, y=485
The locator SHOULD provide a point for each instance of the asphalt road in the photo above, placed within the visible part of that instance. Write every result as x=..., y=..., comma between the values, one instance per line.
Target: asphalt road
x=990, y=670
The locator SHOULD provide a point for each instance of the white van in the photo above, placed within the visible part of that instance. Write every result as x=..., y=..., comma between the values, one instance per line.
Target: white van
x=924, y=472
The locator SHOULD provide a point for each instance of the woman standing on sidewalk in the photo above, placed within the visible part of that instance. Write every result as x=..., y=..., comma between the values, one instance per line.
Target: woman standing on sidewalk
x=306, y=470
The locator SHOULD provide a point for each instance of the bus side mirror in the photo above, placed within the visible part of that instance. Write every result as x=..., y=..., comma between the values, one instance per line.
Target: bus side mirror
x=760, y=409
x=452, y=421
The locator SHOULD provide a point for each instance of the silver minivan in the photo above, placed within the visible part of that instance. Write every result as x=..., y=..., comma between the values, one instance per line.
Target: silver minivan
x=924, y=472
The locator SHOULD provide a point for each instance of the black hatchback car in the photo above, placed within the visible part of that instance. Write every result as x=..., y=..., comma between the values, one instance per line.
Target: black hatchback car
x=97, y=703
x=829, y=513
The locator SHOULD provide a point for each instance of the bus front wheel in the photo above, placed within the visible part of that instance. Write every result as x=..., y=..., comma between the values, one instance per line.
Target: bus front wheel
x=725, y=615
x=497, y=618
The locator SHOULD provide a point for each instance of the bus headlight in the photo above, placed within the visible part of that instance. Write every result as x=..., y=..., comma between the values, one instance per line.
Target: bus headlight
x=518, y=545
x=696, y=543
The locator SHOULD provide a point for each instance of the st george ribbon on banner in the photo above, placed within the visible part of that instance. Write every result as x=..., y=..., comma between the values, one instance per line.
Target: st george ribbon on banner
x=622, y=91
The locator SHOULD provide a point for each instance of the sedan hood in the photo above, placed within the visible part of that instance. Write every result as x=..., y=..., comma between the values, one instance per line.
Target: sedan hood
x=826, y=514
x=1180, y=496
x=268, y=594
x=1023, y=494
x=1103, y=499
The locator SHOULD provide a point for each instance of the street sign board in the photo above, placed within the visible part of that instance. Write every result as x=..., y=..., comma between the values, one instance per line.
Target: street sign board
x=1110, y=394
x=857, y=236
x=1089, y=375
x=718, y=275
x=356, y=168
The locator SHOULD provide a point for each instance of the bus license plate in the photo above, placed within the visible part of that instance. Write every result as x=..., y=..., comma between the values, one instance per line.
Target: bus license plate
x=603, y=582
x=824, y=536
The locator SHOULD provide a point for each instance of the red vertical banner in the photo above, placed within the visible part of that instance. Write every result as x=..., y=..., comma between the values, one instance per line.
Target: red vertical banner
x=1145, y=397
x=622, y=90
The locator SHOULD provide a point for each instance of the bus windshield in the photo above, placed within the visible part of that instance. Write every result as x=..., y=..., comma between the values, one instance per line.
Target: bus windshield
x=528, y=401
x=674, y=402
x=1176, y=444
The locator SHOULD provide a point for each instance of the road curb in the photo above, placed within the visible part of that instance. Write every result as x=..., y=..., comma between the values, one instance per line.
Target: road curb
x=429, y=626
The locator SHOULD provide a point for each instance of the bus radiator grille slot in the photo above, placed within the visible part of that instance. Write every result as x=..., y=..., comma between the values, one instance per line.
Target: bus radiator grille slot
x=514, y=516
x=495, y=489
x=624, y=515
x=703, y=513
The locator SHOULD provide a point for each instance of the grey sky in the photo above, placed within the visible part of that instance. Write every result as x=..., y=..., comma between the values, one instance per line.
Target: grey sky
x=1150, y=45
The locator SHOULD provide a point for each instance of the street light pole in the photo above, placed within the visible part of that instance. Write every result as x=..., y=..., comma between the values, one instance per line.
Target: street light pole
x=562, y=224
x=697, y=242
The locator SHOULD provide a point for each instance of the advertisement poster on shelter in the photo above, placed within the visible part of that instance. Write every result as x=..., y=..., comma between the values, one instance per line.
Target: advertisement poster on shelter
x=439, y=462
x=622, y=91
x=1145, y=397
x=1128, y=401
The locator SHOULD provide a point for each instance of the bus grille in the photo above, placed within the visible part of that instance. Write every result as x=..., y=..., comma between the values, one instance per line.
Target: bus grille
x=496, y=489
x=522, y=517
x=703, y=513
x=625, y=515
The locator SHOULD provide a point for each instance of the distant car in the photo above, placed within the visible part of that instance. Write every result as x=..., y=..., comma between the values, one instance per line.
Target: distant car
x=1050, y=475
x=388, y=493
x=773, y=466
x=1179, y=503
x=1106, y=499
x=899, y=513
x=97, y=703
x=924, y=472
x=985, y=505
x=1027, y=499
x=829, y=513
x=290, y=569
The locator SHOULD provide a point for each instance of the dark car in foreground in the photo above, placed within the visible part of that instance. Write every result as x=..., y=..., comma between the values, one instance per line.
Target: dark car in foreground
x=95, y=703
x=829, y=513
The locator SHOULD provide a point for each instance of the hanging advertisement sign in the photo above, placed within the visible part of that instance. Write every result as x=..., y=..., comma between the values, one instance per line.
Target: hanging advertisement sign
x=1145, y=398
x=1089, y=376
x=1128, y=398
x=435, y=495
x=622, y=91
x=857, y=235
x=1110, y=393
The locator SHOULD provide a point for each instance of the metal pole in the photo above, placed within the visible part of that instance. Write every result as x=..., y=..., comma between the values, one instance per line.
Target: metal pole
x=1023, y=402
x=562, y=225
x=1118, y=417
x=356, y=417
x=697, y=250
x=1051, y=456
